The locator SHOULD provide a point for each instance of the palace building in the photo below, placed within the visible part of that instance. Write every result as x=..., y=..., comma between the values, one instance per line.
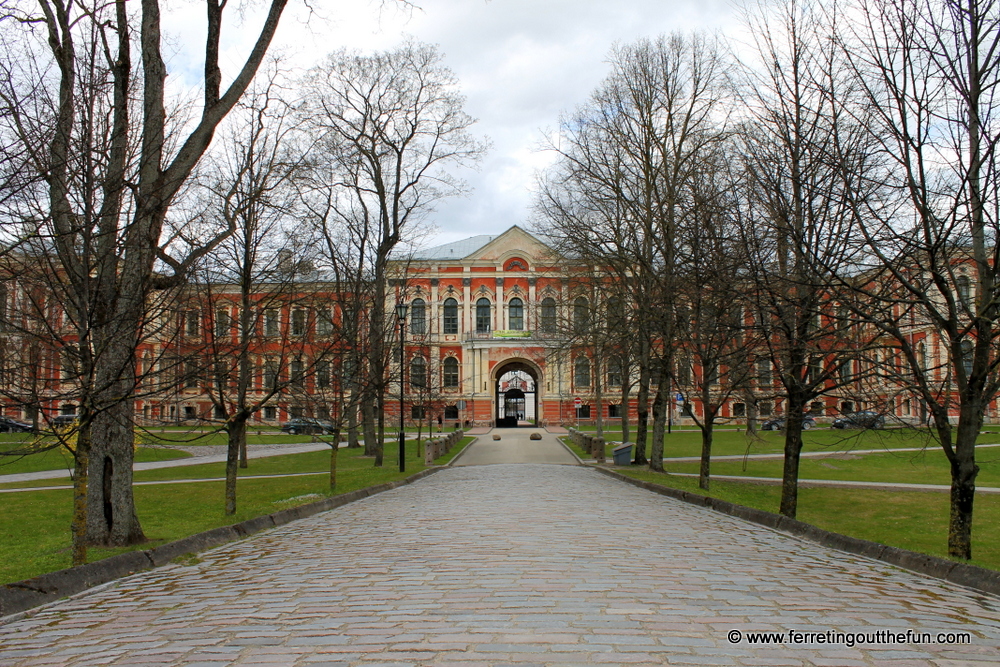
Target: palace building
x=485, y=332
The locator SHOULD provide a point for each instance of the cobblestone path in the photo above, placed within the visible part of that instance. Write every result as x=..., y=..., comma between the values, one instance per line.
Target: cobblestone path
x=501, y=564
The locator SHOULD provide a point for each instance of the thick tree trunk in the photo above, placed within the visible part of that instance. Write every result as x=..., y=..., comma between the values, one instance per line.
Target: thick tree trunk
x=111, y=517
x=793, y=450
x=707, y=431
x=368, y=425
x=659, y=429
x=963, y=481
x=237, y=432
x=642, y=411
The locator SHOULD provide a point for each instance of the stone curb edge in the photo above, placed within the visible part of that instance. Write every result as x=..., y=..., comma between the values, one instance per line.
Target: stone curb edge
x=18, y=597
x=971, y=576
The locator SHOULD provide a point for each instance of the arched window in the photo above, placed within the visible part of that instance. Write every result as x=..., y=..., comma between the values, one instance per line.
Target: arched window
x=418, y=373
x=548, y=315
x=581, y=371
x=418, y=317
x=515, y=314
x=483, y=323
x=964, y=288
x=450, y=372
x=581, y=315
x=450, y=316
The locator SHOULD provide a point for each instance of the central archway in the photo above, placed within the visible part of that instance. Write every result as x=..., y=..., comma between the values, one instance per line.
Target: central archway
x=516, y=384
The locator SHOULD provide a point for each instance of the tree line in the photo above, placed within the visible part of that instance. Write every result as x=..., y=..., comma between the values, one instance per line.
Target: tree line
x=131, y=212
x=807, y=213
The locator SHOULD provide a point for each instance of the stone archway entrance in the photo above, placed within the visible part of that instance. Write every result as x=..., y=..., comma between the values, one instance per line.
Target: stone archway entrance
x=516, y=386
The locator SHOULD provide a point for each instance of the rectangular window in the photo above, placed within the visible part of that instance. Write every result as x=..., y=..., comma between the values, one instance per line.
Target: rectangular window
x=222, y=324
x=191, y=375
x=764, y=378
x=323, y=374
x=765, y=408
x=583, y=412
x=270, y=413
x=270, y=374
x=298, y=374
x=417, y=412
x=191, y=322
x=324, y=323
x=739, y=409
x=614, y=410
x=298, y=322
x=219, y=412
x=816, y=408
x=271, y=322
x=189, y=412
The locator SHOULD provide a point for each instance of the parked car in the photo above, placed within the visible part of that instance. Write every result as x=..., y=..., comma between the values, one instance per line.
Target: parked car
x=303, y=426
x=8, y=425
x=862, y=419
x=62, y=422
x=778, y=424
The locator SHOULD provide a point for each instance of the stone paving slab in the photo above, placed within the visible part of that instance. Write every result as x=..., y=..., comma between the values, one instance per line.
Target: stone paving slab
x=510, y=565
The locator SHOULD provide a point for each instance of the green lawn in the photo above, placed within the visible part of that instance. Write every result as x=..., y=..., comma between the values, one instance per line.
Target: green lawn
x=730, y=442
x=34, y=526
x=911, y=520
x=924, y=467
x=61, y=459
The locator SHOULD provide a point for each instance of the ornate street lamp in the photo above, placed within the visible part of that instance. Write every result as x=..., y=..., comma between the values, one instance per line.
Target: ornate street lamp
x=401, y=309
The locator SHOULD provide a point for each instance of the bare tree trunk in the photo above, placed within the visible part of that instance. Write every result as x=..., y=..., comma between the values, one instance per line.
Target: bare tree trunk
x=334, y=447
x=659, y=429
x=236, y=429
x=368, y=425
x=624, y=412
x=642, y=421
x=793, y=450
x=352, y=425
x=111, y=517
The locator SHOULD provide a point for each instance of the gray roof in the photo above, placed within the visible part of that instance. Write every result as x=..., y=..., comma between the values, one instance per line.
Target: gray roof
x=456, y=250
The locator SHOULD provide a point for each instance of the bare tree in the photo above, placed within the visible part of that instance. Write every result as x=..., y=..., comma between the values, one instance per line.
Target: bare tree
x=626, y=157
x=109, y=170
x=925, y=75
x=388, y=126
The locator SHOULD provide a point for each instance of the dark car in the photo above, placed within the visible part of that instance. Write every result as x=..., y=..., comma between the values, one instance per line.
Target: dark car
x=64, y=422
x=8, y=425
x=862, y=419
x=778, y=424
x=303, y=426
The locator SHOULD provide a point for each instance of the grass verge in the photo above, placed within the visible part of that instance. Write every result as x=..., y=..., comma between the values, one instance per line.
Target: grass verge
x=917, y=521
x=34, y=527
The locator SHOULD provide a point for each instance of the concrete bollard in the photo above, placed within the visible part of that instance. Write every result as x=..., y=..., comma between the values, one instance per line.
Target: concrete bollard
x=599, y=449
x=429, y=452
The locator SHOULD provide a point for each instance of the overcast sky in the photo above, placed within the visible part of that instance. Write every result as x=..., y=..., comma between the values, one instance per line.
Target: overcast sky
x=520, y=63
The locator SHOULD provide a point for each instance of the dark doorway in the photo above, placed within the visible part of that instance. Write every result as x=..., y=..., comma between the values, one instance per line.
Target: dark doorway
x=516, y=395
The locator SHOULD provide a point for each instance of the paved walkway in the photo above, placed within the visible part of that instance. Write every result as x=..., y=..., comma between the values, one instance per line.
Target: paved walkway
x=516, y=446
x=510, y=565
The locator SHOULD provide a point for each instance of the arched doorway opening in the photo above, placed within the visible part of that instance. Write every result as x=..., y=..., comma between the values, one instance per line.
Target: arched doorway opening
x=516, y=394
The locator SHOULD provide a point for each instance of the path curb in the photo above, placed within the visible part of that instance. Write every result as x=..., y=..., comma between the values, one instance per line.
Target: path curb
x=17, y=598
x=970, y=576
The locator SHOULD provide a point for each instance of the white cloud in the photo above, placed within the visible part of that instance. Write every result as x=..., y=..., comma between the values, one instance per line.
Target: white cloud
x=521, y=64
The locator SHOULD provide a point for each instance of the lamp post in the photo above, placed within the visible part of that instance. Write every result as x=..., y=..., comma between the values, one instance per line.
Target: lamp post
x=401, y=309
